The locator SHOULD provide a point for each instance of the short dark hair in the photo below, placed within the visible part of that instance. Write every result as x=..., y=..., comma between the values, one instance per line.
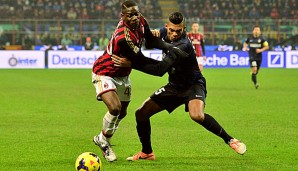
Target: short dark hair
x=127, y=4
x=256, y=26
x=176, y=18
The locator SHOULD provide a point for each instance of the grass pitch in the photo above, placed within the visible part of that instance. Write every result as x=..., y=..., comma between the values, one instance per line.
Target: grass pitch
x=49, y=117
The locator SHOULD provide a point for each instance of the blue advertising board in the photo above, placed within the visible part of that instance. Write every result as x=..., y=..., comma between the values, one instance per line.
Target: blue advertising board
x=85, y=59
x=240, y=59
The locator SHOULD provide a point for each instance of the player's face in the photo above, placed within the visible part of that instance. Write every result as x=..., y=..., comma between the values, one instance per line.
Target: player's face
x=131, y=16
x=174, y=31
x=256, y=32
x=195, y=28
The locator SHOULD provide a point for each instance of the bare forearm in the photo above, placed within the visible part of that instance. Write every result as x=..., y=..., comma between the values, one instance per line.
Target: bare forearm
x=265, y=48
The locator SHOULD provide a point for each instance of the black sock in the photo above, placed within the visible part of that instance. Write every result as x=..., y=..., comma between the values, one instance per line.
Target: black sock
x=254, y=78
x=213, y=126
x=144, y=132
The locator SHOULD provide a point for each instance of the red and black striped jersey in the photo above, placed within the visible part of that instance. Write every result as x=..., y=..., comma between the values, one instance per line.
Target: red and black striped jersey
x=122, y=38
x=197, y=42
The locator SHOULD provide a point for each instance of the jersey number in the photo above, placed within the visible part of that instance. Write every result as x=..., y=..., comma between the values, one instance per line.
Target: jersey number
x=127, y=91
x=159, y=91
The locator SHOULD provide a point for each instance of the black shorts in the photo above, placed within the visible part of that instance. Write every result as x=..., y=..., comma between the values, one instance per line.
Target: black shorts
x=170, y=97
x=254, y=63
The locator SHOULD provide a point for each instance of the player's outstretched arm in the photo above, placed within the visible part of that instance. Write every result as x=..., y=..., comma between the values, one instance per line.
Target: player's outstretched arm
x=148, y=65
x=145, y=64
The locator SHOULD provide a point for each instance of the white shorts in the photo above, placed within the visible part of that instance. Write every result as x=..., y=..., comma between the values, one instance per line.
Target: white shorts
x=121, y=85
x=200, y=60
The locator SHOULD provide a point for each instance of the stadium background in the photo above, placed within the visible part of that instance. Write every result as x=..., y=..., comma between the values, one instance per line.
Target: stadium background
x=49, y=116
x=25, y=24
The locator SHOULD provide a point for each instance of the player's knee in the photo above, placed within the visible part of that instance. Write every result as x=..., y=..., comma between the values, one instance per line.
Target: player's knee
x=140, y=115
x=197, y=117
x=115, y=110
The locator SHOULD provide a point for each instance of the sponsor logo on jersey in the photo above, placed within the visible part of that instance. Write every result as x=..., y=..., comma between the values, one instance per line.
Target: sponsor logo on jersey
x=106, y=85
x=255, y=45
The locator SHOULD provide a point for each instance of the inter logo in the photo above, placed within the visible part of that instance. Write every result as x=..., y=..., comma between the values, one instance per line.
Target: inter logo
x=13, y=61
x=275, y=59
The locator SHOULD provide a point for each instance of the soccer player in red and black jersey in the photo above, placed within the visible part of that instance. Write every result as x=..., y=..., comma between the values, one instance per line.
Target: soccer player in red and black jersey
x=255, y=45
x=197, y=40
x=112, y=83
x=186, y=86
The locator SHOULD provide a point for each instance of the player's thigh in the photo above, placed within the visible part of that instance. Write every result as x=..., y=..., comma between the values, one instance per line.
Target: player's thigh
x=112, y=102
x=168, y=97
x=112, y=91
x=123, y=88
x=148, y=109
x=196, y=101
x=104, y=84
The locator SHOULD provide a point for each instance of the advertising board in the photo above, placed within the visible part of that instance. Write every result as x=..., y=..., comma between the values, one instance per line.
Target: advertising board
x=85, y=59
x=22, y=59
x=72, y=59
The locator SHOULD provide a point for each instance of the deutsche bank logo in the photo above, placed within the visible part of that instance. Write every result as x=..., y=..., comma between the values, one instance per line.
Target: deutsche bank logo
x=275, y=59
x=292, y=59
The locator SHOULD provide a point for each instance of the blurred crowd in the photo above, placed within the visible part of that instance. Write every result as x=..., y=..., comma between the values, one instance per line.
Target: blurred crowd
x=239, y=9
x=109, y=9
x=76, y=32
x=69, y=9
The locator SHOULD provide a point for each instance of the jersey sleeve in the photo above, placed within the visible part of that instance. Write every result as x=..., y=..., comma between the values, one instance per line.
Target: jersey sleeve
x=153, y=67
x=265, y=43
x=152, y=41
x=142, y=63
x=163, y=32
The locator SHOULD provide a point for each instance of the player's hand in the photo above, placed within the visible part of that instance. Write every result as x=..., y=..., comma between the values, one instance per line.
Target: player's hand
x=204, y=58
x=155, y=33
x=195, y=42
x=120, y=61
x=178, y=52
x=258, y=50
